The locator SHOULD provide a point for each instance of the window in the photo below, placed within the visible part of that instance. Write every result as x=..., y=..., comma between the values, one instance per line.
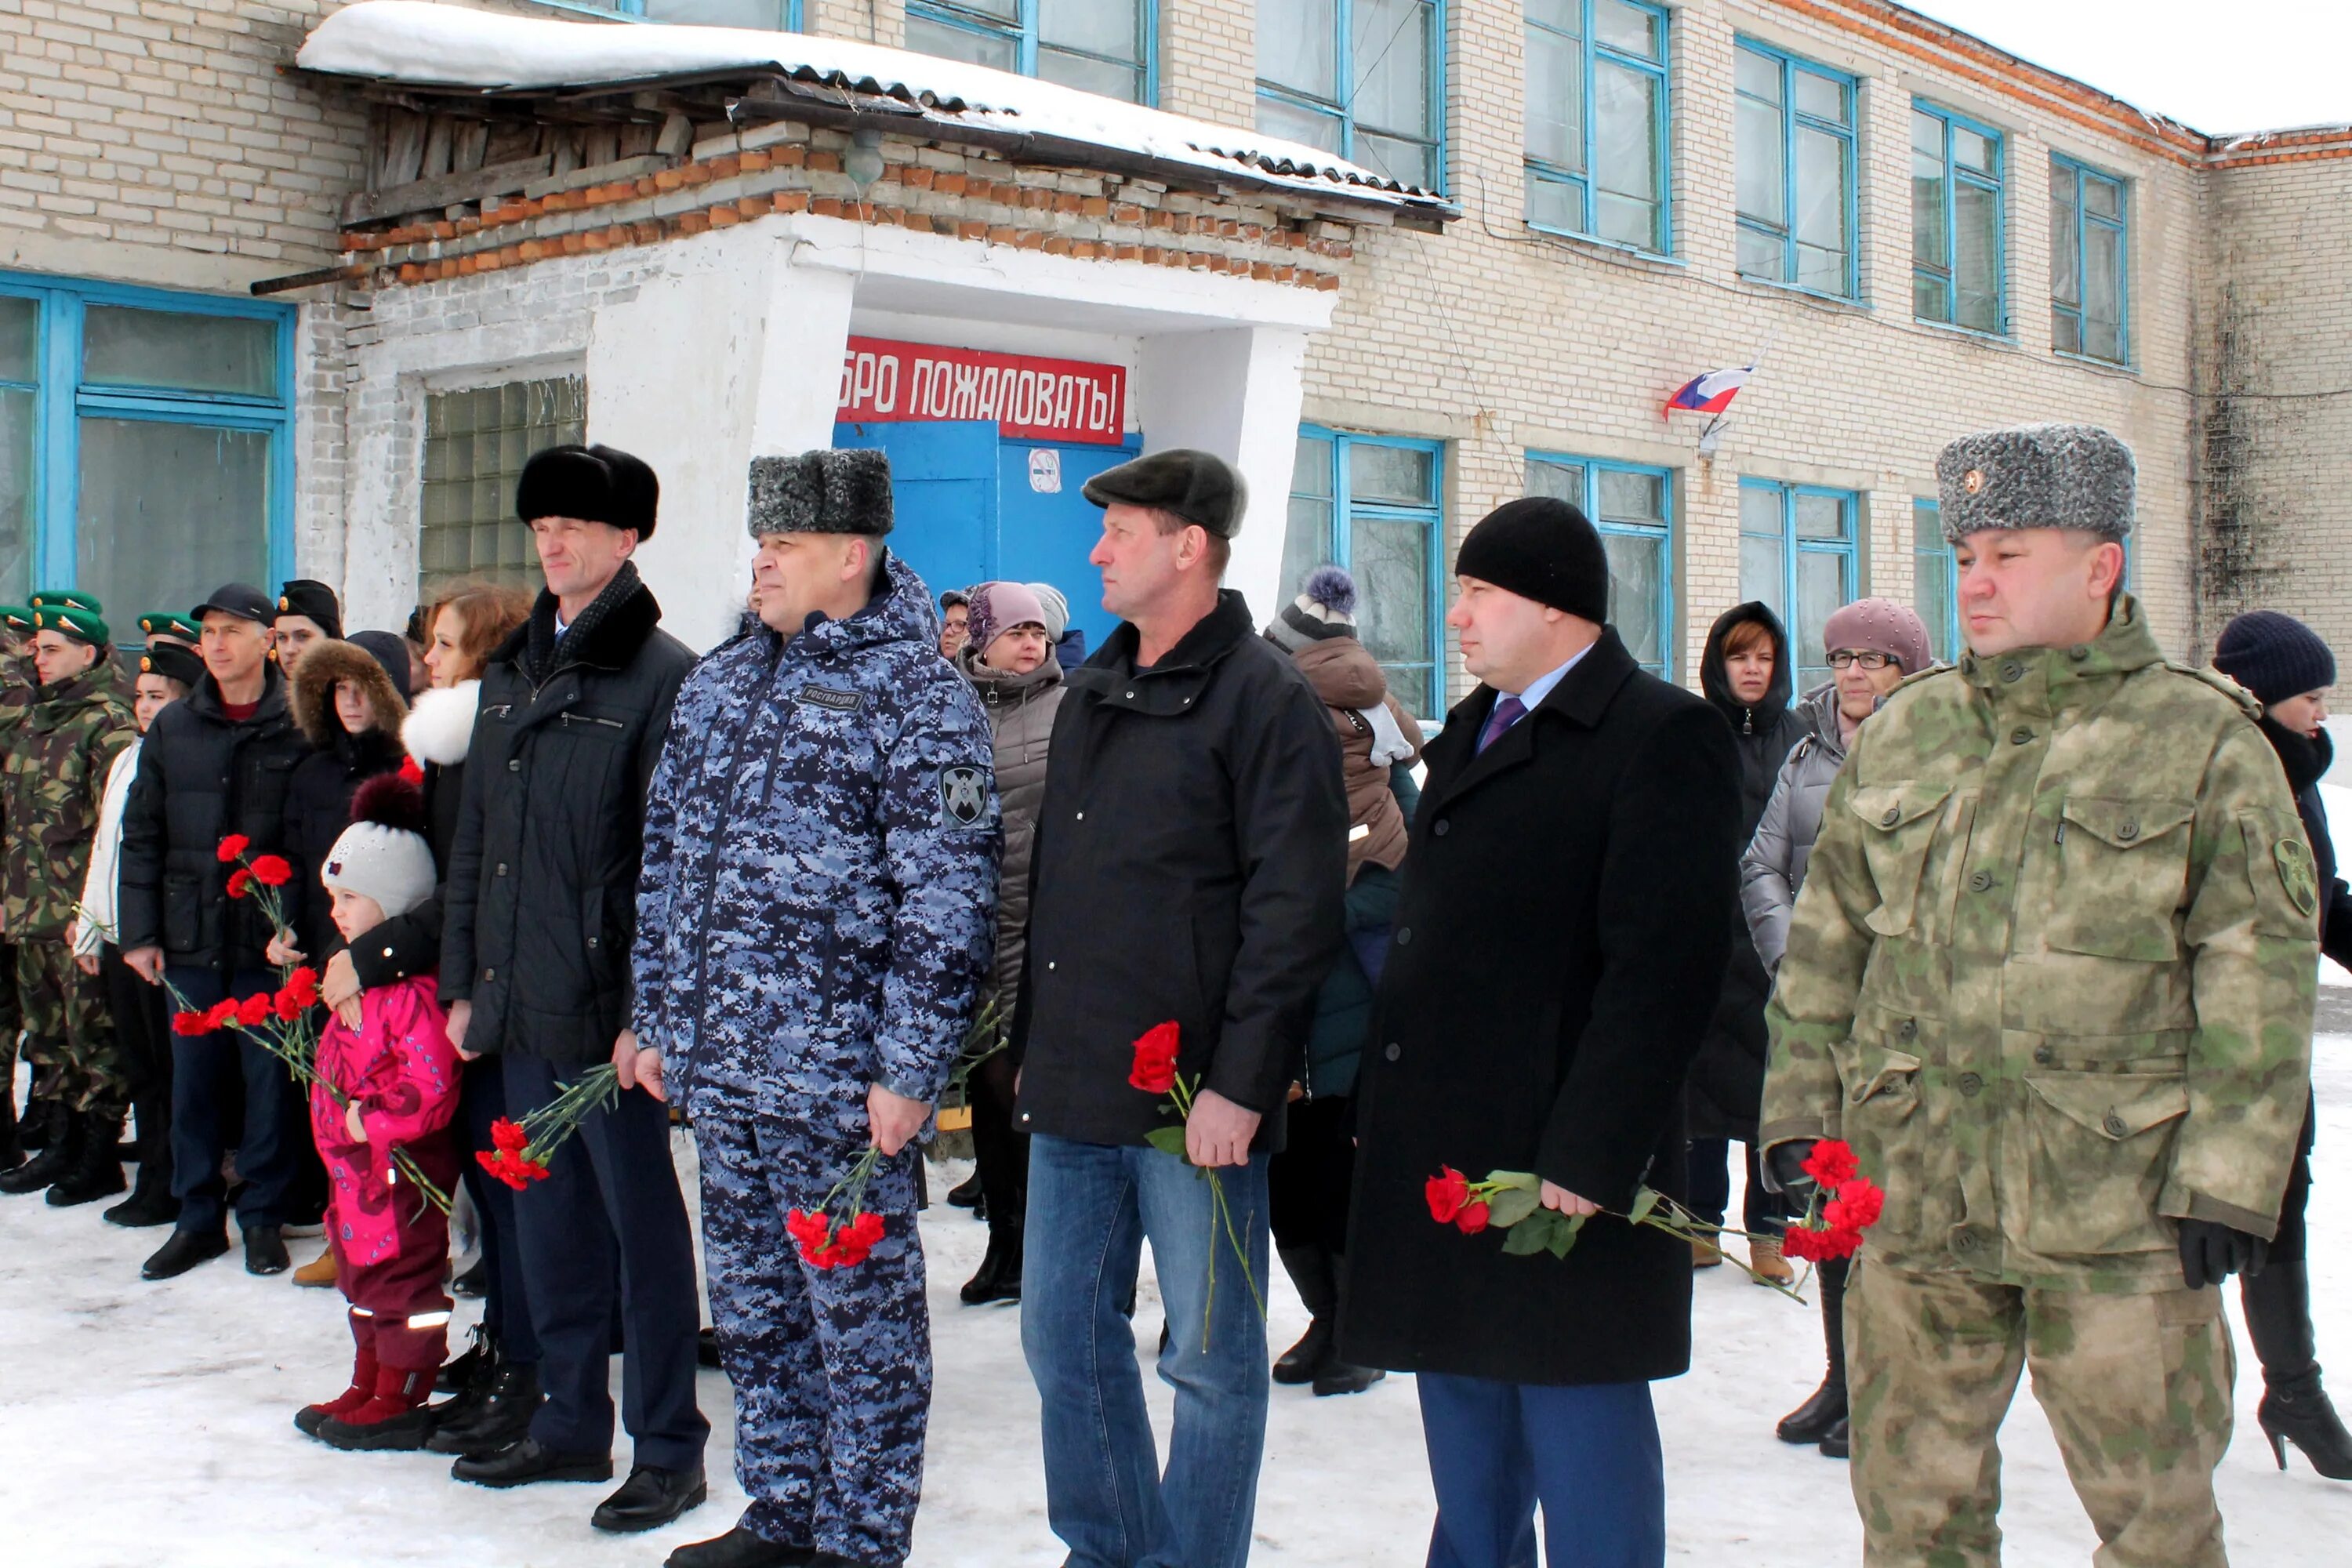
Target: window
x=1796, y=552
x=1364, y=79
x=2090, y=244
x=476, y=443
x=773, y=15
x=1796, y=180
x=1633, y=509
x=1956, y=261
x=1596, y=120
x=1934, y=580
x=1096, y=46
x=145, y=442
x=1369, y=503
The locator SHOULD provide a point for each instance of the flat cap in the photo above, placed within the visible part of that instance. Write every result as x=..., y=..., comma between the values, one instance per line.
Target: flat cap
x=67, y=599
x=172, y=662
x=1199, y=487
x=309, y=596
x=168, y=624
x=2037, y=476
x=77, y=625
x=831, y=491
x=243, y=600
x=594, y=484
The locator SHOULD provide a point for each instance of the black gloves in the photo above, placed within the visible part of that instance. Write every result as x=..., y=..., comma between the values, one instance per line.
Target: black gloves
x=1784, y=1171
x=2211, y=1253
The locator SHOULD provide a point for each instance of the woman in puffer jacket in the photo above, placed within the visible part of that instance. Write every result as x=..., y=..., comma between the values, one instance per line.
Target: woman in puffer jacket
x=1873, y=645
x=1012, y=664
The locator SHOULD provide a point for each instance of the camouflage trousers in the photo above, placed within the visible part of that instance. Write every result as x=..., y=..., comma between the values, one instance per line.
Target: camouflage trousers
x=2137, y=1389
x=12, y=1016
x=831, y=1367
x=68, y=1032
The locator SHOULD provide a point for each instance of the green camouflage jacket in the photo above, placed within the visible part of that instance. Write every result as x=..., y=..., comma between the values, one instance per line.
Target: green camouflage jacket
x=2053, y=968
x=53, y=768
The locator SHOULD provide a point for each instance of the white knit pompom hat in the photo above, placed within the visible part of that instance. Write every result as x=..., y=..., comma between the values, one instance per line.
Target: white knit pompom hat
x=383, y=855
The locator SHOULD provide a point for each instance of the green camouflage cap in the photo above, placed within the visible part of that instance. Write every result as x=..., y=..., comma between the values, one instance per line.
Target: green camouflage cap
x=169, y=624
x=67, y=599
x=78, y=625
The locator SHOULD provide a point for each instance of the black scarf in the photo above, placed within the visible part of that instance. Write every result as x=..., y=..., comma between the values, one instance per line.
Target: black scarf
x=539, y=655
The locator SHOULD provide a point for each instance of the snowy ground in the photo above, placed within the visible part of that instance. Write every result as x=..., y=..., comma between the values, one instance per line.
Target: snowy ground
x=150, y=1425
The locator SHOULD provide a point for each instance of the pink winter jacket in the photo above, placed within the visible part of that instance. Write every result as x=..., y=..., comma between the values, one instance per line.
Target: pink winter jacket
x=402, y=1072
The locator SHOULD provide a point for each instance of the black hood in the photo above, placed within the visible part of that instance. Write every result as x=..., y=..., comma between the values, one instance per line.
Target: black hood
x=1747, y=719
x=2305, y=757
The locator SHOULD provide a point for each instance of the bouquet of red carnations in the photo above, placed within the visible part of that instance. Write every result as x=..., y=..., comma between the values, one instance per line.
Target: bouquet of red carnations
x=827, y=1241
x=1154, y=1072
x=520, y=1149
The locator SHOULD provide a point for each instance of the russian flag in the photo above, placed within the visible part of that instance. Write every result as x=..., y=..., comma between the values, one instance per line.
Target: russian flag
x=1711, y=393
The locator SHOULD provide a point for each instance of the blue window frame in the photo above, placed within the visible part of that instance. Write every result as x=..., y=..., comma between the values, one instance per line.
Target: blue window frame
x=1797, y=555
x=146, y=441
x=1935, y=578
x=773, y=15
x=1794, y=130
x=1373, y=504
x=1958, y=256
x=2090, y=262
x=1634, y=507
x=1363, y=79
x=1096, y=46
x=1596, y=112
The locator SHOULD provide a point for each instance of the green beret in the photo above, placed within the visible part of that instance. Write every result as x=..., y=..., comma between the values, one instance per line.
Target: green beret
x=80, y=626
x=2037, y=476
x=169, y=624
x=17, y=618
x=67, y=599
x=1199, y=487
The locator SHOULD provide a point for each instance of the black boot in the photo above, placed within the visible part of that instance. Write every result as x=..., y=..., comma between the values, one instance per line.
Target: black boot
x=525, y=1463
x=12, y=1153
x=39, y=1124
x=471, y=1370
x=61, y=1152
x=151, y=1201
x=1812, y=1421
x=1334, y=1376
x=499, y=1416
x=999, y=1279
x=1837, y=1443
x=2294, y=1408
x=739, y=1548
x=97, y=1173
x=1311, y=1269
x=965, y=1194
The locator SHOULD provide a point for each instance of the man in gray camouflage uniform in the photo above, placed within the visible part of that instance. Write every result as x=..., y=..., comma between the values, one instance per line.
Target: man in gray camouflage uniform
x=813, y=920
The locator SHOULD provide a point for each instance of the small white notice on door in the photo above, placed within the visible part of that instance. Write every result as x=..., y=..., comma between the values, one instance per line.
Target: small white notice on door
x=1046, y=471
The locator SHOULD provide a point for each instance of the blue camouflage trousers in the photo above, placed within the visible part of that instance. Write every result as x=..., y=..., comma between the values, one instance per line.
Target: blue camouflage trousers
x=831, y=1367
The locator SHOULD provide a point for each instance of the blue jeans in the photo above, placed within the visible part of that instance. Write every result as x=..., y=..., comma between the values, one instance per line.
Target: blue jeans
x=1090, y=1208
x=1589, y=1454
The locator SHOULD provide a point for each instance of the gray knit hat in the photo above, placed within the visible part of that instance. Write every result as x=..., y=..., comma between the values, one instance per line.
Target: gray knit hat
x=383, y=855
x=826, y=492
x=2037, y=476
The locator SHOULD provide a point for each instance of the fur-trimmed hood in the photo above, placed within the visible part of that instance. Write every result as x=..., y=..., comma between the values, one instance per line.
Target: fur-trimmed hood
x=440, y=727
x=316, y=675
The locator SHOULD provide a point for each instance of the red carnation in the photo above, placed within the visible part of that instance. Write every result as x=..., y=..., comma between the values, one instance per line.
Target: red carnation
x=233, y=849
x=1857, y=1206
x=220, y=1015
x=191, y=1023
x=494, y=1161
x=809, y=1230
x=240, y=883
x=863, y=1232
x=287, y=1007
x=1448, y=1195
x=272, y=871
x=508, y=1135
x=1810, y=1244
x=1154, y=1071
x=1832, y=1164
x=304, y=983
x=254, y=1010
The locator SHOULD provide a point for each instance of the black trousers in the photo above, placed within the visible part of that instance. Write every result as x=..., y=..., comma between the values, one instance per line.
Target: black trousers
x=1000, y=1149
x=2293, y=1240
x=1764, y=1213
x=506, y=1294
x=143, y=1027
x=212, y=1077
x=1307, y=1183
x=608, y=1222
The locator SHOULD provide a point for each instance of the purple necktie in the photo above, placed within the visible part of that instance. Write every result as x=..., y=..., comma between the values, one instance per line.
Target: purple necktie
x=1507, y=712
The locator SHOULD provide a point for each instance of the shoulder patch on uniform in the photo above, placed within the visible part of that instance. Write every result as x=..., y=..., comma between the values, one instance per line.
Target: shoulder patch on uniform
x=2221, y=683
x=963, y=793
x=828, y=697
x=2297, y=873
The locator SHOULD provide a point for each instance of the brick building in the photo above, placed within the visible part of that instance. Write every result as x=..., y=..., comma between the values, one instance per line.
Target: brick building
x=1553, y=212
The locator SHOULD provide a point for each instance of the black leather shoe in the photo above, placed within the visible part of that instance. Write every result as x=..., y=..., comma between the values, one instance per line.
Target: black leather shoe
x=650, y=1498
x=739, y=1548
x=522, y=1463
x=149, y=1204
x=265, y=1250
x=183, y=1252
x=1837, y=1443
x=1336, y=1376
x=497, y=1415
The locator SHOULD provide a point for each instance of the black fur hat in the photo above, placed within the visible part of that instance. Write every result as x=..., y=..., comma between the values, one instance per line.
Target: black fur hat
x=596, y=484
x=826, y=491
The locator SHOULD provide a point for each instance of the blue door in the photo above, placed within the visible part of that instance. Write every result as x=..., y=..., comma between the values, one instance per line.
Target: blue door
x=943, y=495
x=1046, y=528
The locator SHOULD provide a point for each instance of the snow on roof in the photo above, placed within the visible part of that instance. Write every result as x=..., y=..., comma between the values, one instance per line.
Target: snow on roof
x=422, y=43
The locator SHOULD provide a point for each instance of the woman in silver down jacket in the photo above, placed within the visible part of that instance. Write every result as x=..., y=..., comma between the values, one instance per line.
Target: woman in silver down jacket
x=1873, y=644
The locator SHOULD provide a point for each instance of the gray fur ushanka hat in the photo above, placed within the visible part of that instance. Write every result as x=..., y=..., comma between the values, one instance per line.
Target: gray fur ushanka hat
x=825, y=491
x=2037, y=476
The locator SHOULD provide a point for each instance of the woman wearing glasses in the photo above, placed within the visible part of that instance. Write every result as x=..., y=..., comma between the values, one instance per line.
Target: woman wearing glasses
x=1873, y=644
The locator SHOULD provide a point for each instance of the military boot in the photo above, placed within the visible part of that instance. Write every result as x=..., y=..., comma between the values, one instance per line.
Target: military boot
x=61, y=1152
x=1817, y=1417
x=98, y=1172
x=12, y=1153
x=499, y=1415
x=999, y=1279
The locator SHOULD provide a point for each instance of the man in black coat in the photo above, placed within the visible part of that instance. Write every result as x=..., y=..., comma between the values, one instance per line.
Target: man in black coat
x=1559, y=946
x=538, y=908
x=216, y=764
x=1188, y=866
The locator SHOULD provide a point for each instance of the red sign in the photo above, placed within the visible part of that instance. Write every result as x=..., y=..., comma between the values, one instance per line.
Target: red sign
x=1033, y=399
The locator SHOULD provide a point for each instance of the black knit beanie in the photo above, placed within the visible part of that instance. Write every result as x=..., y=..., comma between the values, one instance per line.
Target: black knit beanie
x=1541, y=549
x=2274, y=656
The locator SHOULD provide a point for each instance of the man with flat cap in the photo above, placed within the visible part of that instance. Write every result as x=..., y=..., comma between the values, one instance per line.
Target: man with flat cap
x=815, y=914
x=216, y=764
x=1188, y=868
x=2052, y=976
x=1560, y=945
x=537, y=911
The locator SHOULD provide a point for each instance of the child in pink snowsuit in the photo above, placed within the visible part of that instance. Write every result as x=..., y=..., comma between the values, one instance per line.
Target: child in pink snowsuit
x=398, y=1073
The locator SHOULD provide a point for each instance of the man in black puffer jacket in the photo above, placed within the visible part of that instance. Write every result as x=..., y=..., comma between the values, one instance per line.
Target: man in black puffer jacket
x=539, y=910
x=214, y=765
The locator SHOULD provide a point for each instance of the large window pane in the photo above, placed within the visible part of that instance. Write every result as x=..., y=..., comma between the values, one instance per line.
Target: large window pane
x=1624, y=160
x=1927, y=237
x=2102, y=303
x=1377, y=473
x=1391, y=48
x=1757, y=75
x=1626, y=27
x=1822, y=517
x=1976, y=231
x=1099, y=26
x=1090, y=75
x=970, y=44
x=1555, y=203
x=1820, y=590
x=767, y=14
x=1762, y=571
x=1407, y=162
x=1391, y=561
x=1637, y=575
x=143, y=543
x=1822, y=97
x=18, y=421
x=476, y=443
x=1555, y=99
x=1761, y=254
x=20, y=338
x=122, y=346
x=1306, y=535
x=1315, y=128
x=1299, y=46
x=1931, y=578
x=1762, y=168
x=1631, y=498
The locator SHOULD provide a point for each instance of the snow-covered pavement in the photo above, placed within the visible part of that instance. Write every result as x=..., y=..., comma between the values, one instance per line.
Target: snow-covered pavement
x=149, y=1425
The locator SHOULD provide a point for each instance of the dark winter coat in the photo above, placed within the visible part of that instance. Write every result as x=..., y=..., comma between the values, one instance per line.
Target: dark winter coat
x=439, y=727
x=1773, y=868
x=1021, y=712
x=1727, y=1082
x=319, y=796
x=203, y=777
x=1343, y=1007
x=1191, y=852
x=539, y=902
x=1568, y=906
x=2305, y=758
